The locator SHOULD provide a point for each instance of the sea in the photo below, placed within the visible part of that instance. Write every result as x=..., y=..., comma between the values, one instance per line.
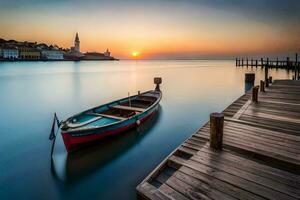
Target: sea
x=31, y=92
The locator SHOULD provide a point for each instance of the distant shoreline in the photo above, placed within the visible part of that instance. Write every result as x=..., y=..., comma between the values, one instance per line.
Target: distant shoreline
x=64, y=60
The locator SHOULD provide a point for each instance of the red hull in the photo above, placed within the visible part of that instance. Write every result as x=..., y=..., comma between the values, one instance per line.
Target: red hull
x=72, y=143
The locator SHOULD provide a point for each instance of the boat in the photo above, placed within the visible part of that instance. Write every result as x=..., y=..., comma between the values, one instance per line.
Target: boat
x=110, y=119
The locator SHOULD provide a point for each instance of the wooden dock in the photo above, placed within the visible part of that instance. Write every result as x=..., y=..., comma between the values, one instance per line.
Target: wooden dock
x=260, y=157
x=287, y=64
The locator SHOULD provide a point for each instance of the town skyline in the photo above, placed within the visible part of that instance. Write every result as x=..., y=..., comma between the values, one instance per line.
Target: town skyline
x=158, y=30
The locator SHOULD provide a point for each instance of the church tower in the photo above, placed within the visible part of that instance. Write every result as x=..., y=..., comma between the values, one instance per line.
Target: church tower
x=77, y=43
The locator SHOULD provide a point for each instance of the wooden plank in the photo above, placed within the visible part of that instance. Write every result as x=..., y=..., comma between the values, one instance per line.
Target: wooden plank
x=260, y=157
x=225, y=166
x=231, y=179
x=147, y=191
x=194, y=189
x=129, y=108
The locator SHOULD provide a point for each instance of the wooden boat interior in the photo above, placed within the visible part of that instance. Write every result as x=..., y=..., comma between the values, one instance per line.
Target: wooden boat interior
x=114, y=112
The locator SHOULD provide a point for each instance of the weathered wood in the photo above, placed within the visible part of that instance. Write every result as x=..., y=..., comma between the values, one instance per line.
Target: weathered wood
x=286, y=64
x=216, y=130
x=255, y=94
x=267, y=73
x=262, y=86
x=259, y=159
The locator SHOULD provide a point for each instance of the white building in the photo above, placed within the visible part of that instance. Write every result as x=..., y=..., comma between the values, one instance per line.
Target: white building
x=10, y=53
x=52, y=54
x=77, y=43
x=75, y=50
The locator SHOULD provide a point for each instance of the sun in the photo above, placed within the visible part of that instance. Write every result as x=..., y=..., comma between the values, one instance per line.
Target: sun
x=135, y=54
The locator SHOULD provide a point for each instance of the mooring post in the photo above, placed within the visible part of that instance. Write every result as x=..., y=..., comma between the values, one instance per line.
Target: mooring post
x=262, y=86
x=270, y=79
x=157, y=81
x=288, y=62
x=242, y=62
x=262, y=62
x=249, y=81
x=251, y=62
x=255, y=94
x=277, y=63
x=236, y=62
x=266, y=73
x=216, y=130
x=256, y=63
x=247, y=63
x=298, y=69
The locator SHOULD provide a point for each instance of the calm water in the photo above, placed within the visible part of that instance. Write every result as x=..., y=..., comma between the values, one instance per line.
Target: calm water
x=30, y=92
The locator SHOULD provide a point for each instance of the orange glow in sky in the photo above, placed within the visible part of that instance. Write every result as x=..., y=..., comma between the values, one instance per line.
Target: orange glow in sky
x=160, y=29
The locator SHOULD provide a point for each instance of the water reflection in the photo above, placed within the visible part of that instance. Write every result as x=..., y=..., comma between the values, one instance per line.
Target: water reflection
x=90, y=159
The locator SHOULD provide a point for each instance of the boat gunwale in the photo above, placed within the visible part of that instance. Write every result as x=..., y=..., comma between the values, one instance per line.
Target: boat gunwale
x=83, y=128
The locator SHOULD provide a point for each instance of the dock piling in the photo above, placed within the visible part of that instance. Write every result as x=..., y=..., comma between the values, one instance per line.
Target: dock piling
x=262, y=86
x=249, y=81
x=255, y=94
x=216, y=130
x=266, y=73
x=157, y=81
x=270, y=79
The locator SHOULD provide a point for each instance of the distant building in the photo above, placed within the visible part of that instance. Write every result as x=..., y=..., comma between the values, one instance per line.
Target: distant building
x=29, y=53
x=75, y=50
x=107, y=53
x=96, y=56
x=10, y=53
x=42, y=46
x=77, y=43
x=52, y=54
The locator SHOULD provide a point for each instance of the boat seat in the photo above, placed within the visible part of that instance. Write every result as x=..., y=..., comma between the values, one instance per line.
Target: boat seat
x=109, y=116
x=129, y=108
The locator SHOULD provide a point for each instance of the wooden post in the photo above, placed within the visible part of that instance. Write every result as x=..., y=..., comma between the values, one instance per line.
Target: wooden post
x=256, y=63
x=216, y=130
x=255, y=94
x=249, y=81
x=277, y=63
x=298, y=70
x=288, y=62
x=270, y=79
x=266, y=73
x=262, y=86
x=262, y=62
x=242, y=62
x=251, y=62
x=296, y=67
x=157, y=81
x=247, y=63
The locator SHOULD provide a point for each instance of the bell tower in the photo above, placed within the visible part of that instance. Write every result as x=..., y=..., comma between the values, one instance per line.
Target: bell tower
x=77, y=43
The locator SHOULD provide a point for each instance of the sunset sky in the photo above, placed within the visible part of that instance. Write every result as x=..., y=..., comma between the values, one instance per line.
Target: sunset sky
x=158, y=29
